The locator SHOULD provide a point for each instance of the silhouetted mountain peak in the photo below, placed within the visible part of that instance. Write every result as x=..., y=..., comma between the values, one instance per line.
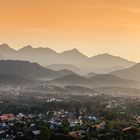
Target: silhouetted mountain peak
x=27, y=48
x=110, y=61
x=75, y=50
x=39, y=50
x=5, y=46
x=45, y=50
x=74, y=53
x=105, y=55
x=108, y=56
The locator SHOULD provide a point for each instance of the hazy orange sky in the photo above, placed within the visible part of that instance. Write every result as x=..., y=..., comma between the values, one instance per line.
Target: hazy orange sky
x=92, y=26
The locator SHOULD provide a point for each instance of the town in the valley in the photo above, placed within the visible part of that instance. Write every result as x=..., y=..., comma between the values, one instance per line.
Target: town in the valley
x=68, y=113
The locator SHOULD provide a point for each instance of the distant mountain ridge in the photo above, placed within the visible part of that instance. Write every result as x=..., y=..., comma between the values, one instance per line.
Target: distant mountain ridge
x=130, y=73
x=100, y=80
x=58, y=67
x=102, y=63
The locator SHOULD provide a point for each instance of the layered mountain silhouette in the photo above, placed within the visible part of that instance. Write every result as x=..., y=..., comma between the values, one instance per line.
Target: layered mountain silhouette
x=110, y=80
x=24, y=71
x=102, y=63
x=101, y=80
x=71, y=80
x=130, y=73
x=21, y=72
x=58, y=67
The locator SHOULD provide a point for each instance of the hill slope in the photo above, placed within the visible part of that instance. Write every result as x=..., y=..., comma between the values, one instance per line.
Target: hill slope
x=58, y=67
x=130, y=73
x=71, y=80
x=26, y=71
x=110, y=80
x=102, y=80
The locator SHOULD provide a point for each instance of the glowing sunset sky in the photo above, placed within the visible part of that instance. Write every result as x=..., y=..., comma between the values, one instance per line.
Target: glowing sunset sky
x=92, y=26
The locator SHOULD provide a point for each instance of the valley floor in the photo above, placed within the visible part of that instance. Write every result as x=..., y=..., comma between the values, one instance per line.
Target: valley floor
x=51, y=113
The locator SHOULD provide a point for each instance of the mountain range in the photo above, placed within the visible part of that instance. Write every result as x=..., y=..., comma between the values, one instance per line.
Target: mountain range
x=100, y=80
x=24, y=72
x=103, y=63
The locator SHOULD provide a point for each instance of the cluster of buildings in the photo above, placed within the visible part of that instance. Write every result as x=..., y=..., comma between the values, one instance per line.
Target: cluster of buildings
x=23, y=126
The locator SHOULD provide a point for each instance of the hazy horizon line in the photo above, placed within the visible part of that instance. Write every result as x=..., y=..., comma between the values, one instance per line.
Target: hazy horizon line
x=74, y=48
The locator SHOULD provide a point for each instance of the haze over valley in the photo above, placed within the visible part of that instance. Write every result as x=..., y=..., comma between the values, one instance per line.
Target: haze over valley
x=45, y=66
